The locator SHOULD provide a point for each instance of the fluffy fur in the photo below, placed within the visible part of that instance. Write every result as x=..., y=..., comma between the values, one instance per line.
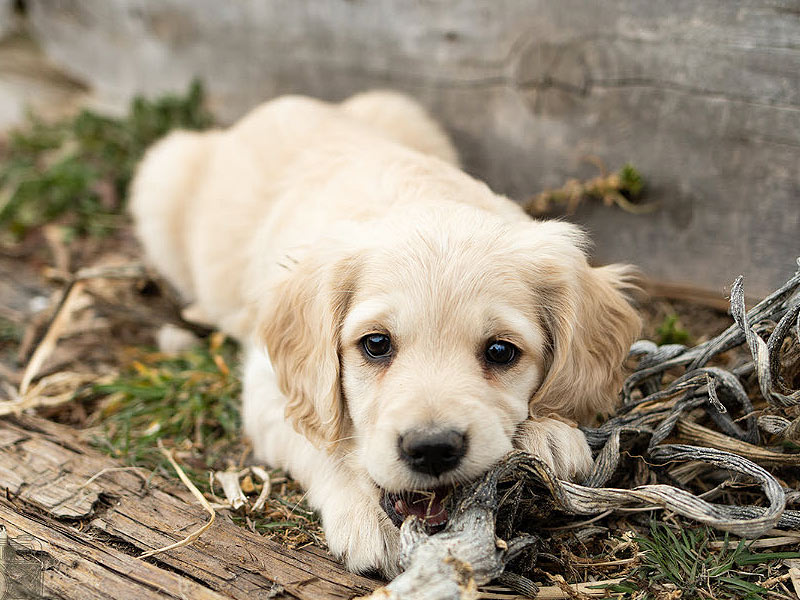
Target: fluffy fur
x=307, y=226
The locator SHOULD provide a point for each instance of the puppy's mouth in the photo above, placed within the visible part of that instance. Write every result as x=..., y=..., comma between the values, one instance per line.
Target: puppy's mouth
x=428, y=505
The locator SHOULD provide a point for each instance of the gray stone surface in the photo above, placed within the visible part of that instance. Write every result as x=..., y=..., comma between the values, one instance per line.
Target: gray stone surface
x=703, y=97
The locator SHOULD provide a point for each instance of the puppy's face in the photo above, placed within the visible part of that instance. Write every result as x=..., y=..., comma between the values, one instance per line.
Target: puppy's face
x=416, y=346
x=442, y=348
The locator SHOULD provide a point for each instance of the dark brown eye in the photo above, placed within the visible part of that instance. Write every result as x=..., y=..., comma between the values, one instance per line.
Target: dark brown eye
x=499, y=352
x=377, y=345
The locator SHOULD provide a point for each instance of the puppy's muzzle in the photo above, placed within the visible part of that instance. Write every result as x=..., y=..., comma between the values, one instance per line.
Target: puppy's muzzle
x=432, y=451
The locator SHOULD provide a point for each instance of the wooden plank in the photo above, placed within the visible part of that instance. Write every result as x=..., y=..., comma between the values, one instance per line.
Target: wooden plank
x=97, y=529
x=703, y=97
x=82, y=566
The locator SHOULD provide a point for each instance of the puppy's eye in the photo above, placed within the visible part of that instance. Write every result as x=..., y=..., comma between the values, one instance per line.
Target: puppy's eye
x=377, y=345
x=499, y=352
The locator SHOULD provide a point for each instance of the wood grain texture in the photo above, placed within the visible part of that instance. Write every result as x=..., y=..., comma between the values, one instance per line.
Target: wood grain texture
x=703, y=97
x=91, y=534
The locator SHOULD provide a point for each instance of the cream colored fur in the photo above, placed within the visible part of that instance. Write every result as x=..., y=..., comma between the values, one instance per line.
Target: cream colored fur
x=306, y=226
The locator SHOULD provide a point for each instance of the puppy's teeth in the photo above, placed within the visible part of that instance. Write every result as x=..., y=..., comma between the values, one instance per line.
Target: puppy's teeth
x=400, y=507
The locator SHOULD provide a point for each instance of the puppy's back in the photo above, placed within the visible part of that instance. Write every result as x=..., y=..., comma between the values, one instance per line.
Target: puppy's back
x=403, y=120
x=290, y=169
x=161, y=193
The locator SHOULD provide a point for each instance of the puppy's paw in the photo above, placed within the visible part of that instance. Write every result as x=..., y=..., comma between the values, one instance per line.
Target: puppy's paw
x=359, y=533
x=563, y=447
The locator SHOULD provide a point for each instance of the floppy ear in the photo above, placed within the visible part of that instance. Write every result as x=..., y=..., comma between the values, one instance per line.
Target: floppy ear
x=591, y=326
x=301, y=328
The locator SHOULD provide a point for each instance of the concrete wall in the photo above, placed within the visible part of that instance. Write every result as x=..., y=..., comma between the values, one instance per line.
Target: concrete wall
x=702, y=96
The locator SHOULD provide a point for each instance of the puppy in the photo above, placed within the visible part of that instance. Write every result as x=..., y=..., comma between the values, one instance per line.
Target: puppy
x=404, y=327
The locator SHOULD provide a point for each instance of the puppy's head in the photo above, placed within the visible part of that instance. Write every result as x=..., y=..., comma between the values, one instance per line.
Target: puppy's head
x=418, y=347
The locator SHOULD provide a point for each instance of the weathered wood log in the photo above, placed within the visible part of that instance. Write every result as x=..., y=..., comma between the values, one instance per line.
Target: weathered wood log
x=452, y=564
x=90, y=534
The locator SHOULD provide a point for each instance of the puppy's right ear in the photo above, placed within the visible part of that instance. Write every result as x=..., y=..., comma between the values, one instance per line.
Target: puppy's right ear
x=301, y=328
x=588, y=318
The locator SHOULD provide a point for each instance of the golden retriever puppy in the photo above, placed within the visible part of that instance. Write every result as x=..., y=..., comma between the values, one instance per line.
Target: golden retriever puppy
x=404, y=326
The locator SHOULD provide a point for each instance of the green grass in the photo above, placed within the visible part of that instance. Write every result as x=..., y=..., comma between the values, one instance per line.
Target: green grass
x=10, y=336
x=684, y=561
x=631, y=182
x=78, y=170
x=671, y=332
x=189, y=401
x=9, y=331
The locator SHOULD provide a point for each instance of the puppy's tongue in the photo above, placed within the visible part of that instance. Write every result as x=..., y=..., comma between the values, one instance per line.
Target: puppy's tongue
x=426, y=506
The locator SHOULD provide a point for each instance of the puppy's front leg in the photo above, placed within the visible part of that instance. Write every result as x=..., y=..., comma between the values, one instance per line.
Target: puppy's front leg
x=562, y=446
x=357, y=529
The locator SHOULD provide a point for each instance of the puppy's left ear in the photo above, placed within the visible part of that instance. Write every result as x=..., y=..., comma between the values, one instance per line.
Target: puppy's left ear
x=591, y=325
x=301, y=328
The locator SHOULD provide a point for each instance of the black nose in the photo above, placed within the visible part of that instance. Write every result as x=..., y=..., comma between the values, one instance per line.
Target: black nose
x=432, y=451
